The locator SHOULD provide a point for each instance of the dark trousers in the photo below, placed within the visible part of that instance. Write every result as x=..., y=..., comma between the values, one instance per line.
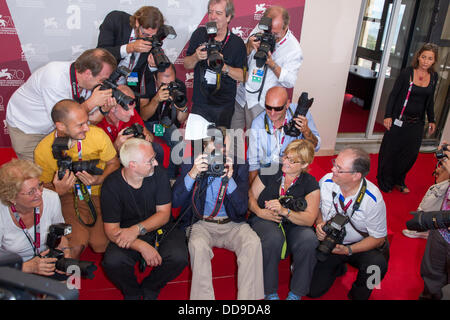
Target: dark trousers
x=327, y=271
x=435, y=267
x=398, y=153
x=301, y=243
x=119, y=265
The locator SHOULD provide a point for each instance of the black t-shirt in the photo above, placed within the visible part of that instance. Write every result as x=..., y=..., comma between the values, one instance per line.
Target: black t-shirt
x=304, y=185
x=123, y=204
x=216, y=107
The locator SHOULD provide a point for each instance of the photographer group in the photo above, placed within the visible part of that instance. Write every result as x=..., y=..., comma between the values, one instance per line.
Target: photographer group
x=97, y=178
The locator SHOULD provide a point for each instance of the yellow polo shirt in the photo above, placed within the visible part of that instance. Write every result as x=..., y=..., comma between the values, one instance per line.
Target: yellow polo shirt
x=96, y=145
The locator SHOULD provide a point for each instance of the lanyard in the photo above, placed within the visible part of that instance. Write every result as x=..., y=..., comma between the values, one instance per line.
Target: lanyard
x=79, y=150
x=36, y=244
x=226, y=40
x=357, y=203
x=282, y=190
x=406, y=100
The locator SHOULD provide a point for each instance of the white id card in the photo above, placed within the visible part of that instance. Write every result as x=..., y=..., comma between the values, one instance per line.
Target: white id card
x=398, y=123
x=210, y=77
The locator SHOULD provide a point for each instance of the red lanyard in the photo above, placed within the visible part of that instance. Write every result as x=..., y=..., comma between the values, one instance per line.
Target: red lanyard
x=406, y=100
x=36, y=244
x=79, y=150
x=282, y=190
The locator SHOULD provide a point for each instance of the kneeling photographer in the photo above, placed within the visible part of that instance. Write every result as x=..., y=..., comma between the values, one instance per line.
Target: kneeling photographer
x=283, y=209
x=212, y=191
x=435, y=269
x=75, y=159
x=164, y=108
x=27, y=210
x=351, y=227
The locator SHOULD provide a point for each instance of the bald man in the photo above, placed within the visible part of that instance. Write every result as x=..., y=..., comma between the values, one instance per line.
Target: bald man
x=86, y=143
x=267, y=139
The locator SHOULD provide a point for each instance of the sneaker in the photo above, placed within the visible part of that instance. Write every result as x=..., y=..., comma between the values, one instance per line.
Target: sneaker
x=293, y=296
x=415, y=234
x=272, y=296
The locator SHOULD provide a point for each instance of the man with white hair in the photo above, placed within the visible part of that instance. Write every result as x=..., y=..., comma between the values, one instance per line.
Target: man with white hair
x=138, y=222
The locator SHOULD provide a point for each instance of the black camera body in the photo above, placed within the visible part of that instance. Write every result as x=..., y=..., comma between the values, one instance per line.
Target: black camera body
x=136, y=130
x=161, y=60
x=177, y=96
x=440, y=154
x=303, y=106
x=294, y=204
x=424, y=221
x=216, y=164
x=111, y=83
x=335, y=230
x=64, y=162
x=267, y=41
x=55, y=232
x=213, y=48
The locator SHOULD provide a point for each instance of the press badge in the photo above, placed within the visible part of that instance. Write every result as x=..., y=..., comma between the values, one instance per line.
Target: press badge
x=210, y=77
x=133, y=79
x=257, y=75
x=398, y=123
x=158, y=129
x=79, y=193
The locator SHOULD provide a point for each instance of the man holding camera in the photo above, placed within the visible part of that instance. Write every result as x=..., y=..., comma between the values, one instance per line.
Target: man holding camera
x=124, y=36
x=280, y=67
x=352, y=203
x=163, y=107
x=213, y=196
x=123, y=122
x=267, y=137
x=28, y=113
x=79, y=191
x=136, y=201
x=218, y=58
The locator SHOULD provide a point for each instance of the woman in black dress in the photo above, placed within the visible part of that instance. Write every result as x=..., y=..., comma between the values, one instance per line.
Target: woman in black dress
x=411, y=97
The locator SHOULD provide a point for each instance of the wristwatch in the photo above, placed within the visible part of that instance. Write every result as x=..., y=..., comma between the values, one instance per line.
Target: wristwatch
x=142, y=230
x=350, y=252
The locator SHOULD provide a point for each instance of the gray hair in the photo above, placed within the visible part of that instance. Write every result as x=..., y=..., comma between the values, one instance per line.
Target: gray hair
x=130, y=150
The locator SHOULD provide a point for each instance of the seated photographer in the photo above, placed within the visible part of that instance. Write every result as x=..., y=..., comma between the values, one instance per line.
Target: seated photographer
x=123, y=35
x=118, y=120
x=267, y=138
x=435, y=267
x=433, y=198
x=74, y=174
x=164, y=109
x=136, y=204
x=28, y=111
x=351, y=227
x=27, y=210
x=283, y=209
x=212, y=194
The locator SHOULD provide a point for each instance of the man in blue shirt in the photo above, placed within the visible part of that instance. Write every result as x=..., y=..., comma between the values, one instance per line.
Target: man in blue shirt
x=267, y=139
x=213, y=210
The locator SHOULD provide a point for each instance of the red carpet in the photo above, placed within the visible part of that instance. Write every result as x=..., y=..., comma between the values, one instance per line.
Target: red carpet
x=402, y=281
x=354, y=118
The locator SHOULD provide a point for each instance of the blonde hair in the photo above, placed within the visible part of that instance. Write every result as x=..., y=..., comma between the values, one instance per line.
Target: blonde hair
x=12, y=176
x=302, y=150
x=130, y=150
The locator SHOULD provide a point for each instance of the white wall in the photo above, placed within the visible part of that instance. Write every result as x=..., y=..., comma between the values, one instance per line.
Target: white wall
x=328, y=33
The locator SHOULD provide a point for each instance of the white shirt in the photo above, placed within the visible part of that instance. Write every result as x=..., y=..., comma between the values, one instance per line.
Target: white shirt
x=288, y=55
x=30, y=106
x=13, y=238
x=369, y=218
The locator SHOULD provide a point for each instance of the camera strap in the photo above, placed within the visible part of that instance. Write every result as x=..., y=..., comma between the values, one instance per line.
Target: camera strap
x=355, y=207
x=219, y=200
x=36, y=244
x=87, y=198
x=74, y=85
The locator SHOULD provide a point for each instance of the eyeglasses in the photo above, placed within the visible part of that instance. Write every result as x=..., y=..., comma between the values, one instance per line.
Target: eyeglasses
x=291, y=161
x=333, y=162
x=277, y=109
x=143, y=33
x=33, y=191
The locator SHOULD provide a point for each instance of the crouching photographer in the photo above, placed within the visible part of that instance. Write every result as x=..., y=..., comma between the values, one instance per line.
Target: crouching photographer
x=283, y=209
x=351, y=227
x=75, y=159
x=435, y=267
x=27, y=210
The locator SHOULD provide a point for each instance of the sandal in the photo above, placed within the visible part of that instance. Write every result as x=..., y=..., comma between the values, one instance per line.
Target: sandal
x=403, y=189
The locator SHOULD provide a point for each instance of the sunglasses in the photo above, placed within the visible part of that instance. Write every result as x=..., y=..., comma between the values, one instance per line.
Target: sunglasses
x=277, y=109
